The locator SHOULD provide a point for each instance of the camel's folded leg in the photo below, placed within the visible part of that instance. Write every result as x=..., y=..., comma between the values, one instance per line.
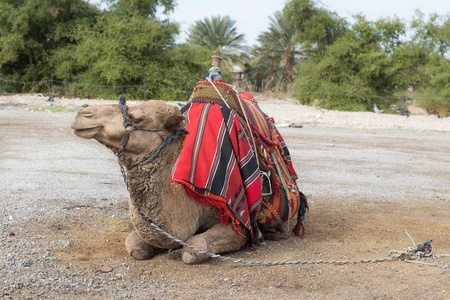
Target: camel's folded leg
x=140, y=249
x=218, y=239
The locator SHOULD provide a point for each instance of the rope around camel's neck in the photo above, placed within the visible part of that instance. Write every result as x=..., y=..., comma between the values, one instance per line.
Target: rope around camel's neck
x=148, y=182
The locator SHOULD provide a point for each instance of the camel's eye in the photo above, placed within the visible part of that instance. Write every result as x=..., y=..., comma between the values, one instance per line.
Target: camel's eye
x=136, y=120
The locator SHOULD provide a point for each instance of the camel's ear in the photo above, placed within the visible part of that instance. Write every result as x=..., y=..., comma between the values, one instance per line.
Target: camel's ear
x=174, y=122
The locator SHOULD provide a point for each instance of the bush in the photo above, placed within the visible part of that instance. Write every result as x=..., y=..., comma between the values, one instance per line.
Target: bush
x=433, y=102
x=350, y=93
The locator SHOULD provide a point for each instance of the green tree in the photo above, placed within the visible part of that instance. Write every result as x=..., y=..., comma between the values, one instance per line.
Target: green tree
x=124, y=45
x=263, y=74
x=432, y=85
x=316, y=27
x=357, y=67
x=340, y=68
x=407, y=66
x=275, y=55
x=435, y=94
x=434, y=34
x=116, y=51
x=181, y=67
x=390, y=32
x=119, y=52
x=97, y=53
x=30, y=30
x=146, y=8
x=220, y=35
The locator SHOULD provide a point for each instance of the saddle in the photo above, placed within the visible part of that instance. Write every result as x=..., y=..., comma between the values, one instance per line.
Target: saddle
x=277, y=198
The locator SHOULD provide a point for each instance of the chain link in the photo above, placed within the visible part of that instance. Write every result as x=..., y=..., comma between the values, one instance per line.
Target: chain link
x=406, y=255
x=409, y=253
x=124, y=174
x=391, y=256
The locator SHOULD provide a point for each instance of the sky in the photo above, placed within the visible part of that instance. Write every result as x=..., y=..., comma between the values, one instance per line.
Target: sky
x=252, y=16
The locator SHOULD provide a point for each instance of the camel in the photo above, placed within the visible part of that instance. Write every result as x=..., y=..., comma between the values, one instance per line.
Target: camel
x=152, y=195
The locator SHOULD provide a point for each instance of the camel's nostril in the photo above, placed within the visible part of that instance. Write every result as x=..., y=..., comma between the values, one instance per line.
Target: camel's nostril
x=86, y=112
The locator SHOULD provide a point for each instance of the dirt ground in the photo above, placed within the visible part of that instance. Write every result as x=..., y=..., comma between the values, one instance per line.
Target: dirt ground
x=368, y=177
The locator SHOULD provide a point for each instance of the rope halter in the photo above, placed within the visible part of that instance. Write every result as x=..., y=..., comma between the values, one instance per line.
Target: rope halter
x=127, y=123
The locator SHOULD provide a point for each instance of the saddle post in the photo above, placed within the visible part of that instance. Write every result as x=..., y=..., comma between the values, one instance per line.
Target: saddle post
x=215, y=73
x=215, y=61
x=237, y=77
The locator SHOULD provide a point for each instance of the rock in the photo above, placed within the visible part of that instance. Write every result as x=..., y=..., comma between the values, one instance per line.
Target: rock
x=105, y=269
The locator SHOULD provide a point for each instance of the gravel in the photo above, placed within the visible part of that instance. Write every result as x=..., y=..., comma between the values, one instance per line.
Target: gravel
x=64, y=215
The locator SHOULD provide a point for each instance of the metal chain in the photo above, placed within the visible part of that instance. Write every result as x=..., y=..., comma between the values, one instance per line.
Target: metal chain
x=406, y=255
x=162, y=145
x=124, y=174
x=391, y=256
x=409, y=253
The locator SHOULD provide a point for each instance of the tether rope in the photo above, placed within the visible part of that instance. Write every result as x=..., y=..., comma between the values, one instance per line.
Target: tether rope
x=406, y=255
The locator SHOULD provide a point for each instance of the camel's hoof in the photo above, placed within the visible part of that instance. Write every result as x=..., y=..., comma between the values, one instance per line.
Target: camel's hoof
x=190, y=256
x=138, y=248
x=187, y=258
x=139, y=254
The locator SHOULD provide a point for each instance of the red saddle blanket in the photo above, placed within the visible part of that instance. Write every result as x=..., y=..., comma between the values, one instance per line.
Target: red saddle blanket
x=218, y=165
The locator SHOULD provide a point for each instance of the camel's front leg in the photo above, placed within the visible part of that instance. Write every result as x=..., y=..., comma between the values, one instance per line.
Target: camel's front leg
x=140, y=249
x=218, y=239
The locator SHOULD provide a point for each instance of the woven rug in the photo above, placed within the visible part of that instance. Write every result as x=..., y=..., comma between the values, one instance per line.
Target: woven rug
x=218, y=165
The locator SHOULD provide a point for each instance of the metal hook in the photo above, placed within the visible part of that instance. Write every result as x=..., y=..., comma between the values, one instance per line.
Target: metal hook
x=270, y=184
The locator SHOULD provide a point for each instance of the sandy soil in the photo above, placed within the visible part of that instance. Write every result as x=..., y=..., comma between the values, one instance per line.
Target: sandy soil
x=367, y=176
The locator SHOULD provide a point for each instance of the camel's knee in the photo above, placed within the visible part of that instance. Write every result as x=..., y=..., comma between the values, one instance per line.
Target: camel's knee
x=226, y=238
x=218, y=239
x=138, y=248
x=190, y=256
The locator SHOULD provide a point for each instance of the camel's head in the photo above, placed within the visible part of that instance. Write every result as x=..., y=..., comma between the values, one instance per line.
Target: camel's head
x=105, y=124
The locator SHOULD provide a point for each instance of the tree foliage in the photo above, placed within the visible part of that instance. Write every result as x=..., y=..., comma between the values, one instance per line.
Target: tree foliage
x=114, y=50
x=315, y=26
x=433, y=34
x=355, y=67
x=143, y=8
x=220, y=35
x=121, y=52
x=98, y=53
x=367, y=62
x=275, y=56
x=30, y=30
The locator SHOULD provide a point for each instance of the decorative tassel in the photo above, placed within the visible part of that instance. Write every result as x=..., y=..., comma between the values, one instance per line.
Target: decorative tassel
x=299, y=229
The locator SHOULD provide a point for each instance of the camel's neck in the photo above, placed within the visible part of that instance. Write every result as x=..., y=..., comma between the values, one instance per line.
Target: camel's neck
x=150, y=184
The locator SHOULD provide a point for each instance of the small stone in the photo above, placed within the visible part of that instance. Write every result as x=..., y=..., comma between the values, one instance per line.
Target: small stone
x=105, y=269
x=27, y=264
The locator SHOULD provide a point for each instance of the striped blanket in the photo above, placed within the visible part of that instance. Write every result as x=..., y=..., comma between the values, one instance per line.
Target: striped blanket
x=218, y=165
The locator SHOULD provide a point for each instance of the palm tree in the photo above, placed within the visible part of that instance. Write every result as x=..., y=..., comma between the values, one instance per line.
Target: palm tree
x=219, y=35
x=278, y=49
x=263, y=71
